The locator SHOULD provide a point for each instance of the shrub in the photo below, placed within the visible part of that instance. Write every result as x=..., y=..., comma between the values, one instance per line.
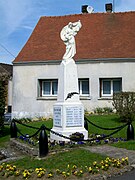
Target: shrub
x=124, y=103
x=108, y=110
x=104, y=110
x=3, y=95
x=98, y=110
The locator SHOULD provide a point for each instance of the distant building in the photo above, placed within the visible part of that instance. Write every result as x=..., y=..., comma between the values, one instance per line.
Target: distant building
x=6, y=70
x=105, y=60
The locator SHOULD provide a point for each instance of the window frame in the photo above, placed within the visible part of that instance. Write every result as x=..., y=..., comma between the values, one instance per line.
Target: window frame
x=80, y=80
x=111, y=86
x=41, y=88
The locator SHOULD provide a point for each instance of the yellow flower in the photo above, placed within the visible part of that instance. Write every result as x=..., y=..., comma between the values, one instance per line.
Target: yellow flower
x=24, y=175
x=1, y=167
x=11, y=168
x=118, y=162
x=68, y=174
x=58, y=171
x=43, y=172
x=50, y=175
x=68, y=166
x=17, y=173
x=106, y=161
x=81, y=171
x=39, y=175
x=102, y=162
x=94, y=163
x=14, y=167
x=102, y=167
x=90, y=169
x=7, y=165
x=37, y=169
x=107, y=158
x=74, y=166
x=75, y=173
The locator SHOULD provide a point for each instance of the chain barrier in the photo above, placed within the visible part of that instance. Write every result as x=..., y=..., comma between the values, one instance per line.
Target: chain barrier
x=116, y=131
x=25, y=124
x=87, y=140
x=65, y=137
x=48, y=129
x=119, y=127
x=28, y=136
x=24, y=135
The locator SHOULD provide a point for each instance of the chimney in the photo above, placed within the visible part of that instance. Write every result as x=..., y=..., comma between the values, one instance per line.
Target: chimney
x=108, y=7
x=87, y=9
x=84, y=9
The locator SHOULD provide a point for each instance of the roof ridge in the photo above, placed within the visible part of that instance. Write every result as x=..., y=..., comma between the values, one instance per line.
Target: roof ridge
x=67, y=15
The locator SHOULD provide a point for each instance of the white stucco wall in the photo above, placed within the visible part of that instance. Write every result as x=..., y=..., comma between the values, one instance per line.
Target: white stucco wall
x=25, y=85
x=95, y=71
x=10, y=92
x=25, y=90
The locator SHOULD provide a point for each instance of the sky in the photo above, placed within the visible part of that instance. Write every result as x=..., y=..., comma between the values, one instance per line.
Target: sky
x=18, y=19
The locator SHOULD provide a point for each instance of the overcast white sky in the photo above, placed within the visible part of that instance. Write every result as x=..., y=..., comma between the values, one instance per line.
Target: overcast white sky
x=19, y=17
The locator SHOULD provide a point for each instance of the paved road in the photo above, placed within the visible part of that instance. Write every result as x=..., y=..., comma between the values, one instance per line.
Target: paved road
x=127, y=176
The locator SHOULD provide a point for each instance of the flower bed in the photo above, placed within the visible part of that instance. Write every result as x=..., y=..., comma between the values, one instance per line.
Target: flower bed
x=9, y=170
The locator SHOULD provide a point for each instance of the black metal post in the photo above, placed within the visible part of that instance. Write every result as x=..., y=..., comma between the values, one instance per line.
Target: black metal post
x=130, y=132
x=13, y=130
x=85, y=124
x=43, y=142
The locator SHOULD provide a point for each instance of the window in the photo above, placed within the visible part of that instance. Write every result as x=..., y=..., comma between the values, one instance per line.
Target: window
x=84, y=86
x=48, y=87
x=110, y=86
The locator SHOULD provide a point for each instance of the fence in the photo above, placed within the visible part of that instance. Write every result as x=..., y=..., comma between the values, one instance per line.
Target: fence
x=43, y=139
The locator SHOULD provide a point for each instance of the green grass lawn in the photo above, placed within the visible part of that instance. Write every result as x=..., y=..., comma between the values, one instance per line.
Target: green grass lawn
x=130, y=145
x=107, y=121
x=76, y=156
x=38, y=124
x=100, y=120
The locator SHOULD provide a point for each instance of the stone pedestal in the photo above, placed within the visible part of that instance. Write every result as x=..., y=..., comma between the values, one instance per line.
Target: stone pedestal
x=68, y=111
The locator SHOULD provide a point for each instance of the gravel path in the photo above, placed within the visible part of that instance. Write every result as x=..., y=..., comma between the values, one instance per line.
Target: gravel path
x=113, y=152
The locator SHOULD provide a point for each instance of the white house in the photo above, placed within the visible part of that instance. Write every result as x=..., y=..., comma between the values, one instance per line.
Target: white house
x=105, y=60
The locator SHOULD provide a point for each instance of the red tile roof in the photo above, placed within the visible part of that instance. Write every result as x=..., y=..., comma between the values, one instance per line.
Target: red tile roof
x=103, y=35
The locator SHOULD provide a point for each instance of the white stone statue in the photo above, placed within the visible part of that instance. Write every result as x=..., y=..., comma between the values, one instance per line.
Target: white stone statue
x=67, y=35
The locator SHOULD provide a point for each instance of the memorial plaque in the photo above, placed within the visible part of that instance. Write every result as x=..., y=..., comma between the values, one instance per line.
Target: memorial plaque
x=57, y=115
x=74, y=116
